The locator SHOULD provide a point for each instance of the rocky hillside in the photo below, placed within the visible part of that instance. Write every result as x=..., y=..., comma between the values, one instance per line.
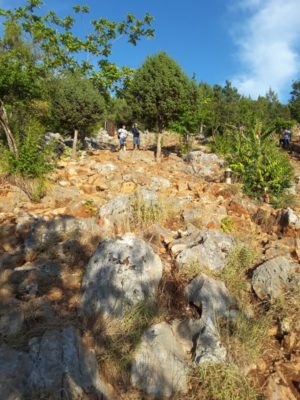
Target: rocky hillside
x=137, y=280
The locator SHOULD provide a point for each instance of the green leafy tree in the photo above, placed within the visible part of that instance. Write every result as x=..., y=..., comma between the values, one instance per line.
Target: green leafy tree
x=120, y=111
x=158, y=93
x=205, y=107
x=231, y=99
x=51, y=46
x=20, y=82
x=294, y=103
x=76, y=105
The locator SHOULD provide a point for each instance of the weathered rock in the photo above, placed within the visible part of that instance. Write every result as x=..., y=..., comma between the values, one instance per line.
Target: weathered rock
x=104, y=168
x=208, y=345
x=277, y=389
x=48, y=233
x=158, y=234
x=128, y=187
x=214, y=214
x=90, y=143
x=13, y=373
x=149, y=197
x=271, y=279
x=192, y=215
x=212, y=297
x=206, y=247
x=206, y=165
x=56, y=366
x=159, y=183
x=23, y=224
x=265, y=219
x=59, y=365
x=116, y=210
x=121, y=273
x=11, y=318
x=288, y=218
x=61, y=195
x=160, y=364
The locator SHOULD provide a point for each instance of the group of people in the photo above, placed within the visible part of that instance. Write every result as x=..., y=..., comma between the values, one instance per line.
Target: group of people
x=122, y=136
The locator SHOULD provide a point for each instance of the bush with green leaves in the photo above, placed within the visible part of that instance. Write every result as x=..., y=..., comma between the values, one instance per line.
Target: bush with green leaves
x=34, y=159
x=257, y=161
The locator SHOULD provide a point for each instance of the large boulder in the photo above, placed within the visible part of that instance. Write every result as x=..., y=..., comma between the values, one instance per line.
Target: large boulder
x=13, y=373
x=56, y=366
x=160, y=365
x=59, y=365
x=272, y=278
x=121, y=273
x=43, y=233
x=208, y=248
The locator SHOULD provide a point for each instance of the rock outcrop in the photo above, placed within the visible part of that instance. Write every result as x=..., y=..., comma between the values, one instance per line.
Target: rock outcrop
x=207, y=248
x=160, y=365
x=274, y=277
x=55, y=365
x=121, y=273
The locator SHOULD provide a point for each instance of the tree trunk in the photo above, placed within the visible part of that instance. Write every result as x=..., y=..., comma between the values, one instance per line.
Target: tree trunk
x=74, y=148
x=9, y=135
x=158, y=146
x=201, y=129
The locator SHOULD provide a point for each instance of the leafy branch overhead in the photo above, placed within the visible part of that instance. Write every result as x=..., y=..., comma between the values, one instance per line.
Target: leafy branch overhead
x=57, y=45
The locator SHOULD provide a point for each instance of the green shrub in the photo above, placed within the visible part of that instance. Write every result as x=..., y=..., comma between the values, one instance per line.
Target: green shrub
x=34, y=157
x=227, y=224
x=256, y=160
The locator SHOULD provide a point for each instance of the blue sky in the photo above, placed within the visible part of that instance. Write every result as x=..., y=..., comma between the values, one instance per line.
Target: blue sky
x=253, y=43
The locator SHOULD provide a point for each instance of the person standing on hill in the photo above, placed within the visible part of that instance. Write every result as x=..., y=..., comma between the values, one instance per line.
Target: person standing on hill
x=136, y=137
x=286, y=138
x=122, y=135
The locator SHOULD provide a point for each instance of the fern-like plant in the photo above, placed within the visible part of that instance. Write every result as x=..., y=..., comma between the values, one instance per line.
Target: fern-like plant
x=253, y=155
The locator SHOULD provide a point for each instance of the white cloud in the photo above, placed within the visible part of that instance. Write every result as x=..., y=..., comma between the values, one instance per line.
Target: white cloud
x=267, y=46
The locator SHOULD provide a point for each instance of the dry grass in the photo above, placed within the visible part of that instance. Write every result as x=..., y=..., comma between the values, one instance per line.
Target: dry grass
x=35, y=189
x=220, y=382
x=144, y=214
x=246, y=337
x=234, y=274
x=190, y=271
x=287, y=307
x=116, y=340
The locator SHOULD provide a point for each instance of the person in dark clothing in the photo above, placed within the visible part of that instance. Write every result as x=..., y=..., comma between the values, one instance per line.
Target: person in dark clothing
x=136, y=137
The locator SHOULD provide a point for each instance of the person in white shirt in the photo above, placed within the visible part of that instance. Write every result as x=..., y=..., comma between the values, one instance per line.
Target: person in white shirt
x=122, y=135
